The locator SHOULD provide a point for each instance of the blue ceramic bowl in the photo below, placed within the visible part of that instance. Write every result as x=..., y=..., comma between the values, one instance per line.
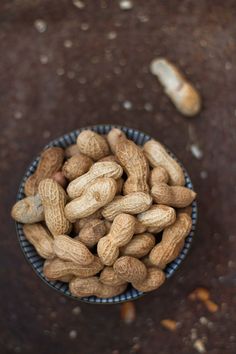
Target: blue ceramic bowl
x=37, y=262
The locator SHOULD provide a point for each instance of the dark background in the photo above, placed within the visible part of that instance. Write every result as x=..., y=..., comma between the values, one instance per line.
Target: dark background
x=82, y=70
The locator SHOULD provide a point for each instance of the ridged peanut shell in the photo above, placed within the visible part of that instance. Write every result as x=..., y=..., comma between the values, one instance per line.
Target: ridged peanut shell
x=174, y=196
x=139, y=246
x=28, y=210
x=157, y=217
x=158, y=175
x=155, y=278
x=40, y=238
x=76, y=166
x=130, y=269
x=92, y=145
x=79, y=224
x=109, y=277
x=91, y=233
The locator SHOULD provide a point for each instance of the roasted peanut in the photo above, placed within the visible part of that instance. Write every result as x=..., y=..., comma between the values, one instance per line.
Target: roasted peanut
x=99, y=169
x=71, y=150
x=157, y=155
x=172, y=241
x=76, y=166
x=53, y=198
x=60, y=179
x=130, y=269
x=139, y=227
x=55, y=269
x=28, y=210
x=154, y=279
x=96, y=195
x=184, y=96
x=139, y=246
x=114, y=137
x=50, y=162
x=132, y=159
x=92, y=145
x=109, y=277
x=91, y=233
x=157, y=217
x=72, y=250
x=79, y=224
x=132, y=203
x=174, y=196
x=110, y=158
x=40, y=239
x=92, y=286
x=121, y=232
x=158, y=175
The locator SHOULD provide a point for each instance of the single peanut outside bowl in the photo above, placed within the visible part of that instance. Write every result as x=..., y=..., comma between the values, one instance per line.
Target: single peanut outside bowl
x=37, y=262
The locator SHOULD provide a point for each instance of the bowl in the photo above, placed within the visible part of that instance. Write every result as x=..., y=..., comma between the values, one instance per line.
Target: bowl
x=37, y=262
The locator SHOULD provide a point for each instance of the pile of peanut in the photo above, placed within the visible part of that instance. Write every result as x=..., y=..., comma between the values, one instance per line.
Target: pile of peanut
x=105, y=212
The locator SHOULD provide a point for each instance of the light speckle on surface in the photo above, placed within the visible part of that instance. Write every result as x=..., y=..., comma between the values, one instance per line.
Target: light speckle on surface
x=82, y=80
x=76, y=310
x=139, y=84
x=199, y=346
x=115, y=107
x=203, y=174
x=112, y=35
x=126, y=4
x=18, y=115
x=79, y=4
x=43, y=59
x=68, y=43
x=203, y=320
x=143, y=18
x=46, y=134
x=84, y=26
x=127, y=105
x=71, y=74
x=148, y=107
x=228, y=66
x=196, y=151
x=117, y=70
x=193, y=334
x=40, y=25
x=60, y=71
x=73, y=334
x=203, y=43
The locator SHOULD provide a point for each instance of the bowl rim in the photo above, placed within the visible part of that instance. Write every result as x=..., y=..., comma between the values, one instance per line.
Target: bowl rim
x=34, y=259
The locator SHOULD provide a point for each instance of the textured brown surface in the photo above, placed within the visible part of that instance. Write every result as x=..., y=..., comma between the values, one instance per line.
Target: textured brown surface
x=88, y=83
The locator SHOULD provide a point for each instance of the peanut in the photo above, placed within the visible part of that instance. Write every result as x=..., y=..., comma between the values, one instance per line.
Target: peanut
x=174, y=196
x=110, y=158
x=60, y=179
x=55, y=269
x=40, y=239
x=169, y=324
x=92, y=286
x=139, y=246
x=184, y=96
x=128, y=316
x=72, y=250
x=28, y=210
x=96, y=195
x=91, y=233
x=132, y=159
x=109, y=277
x=154, y=279
x=99, y=169
x=92, y=145
x=172, y=241
x=157, y=217
x=158, y=175
x=121, y=232
x=76, y=166
x=132, y=203
x=50, y=162
x=66, y=278
x=139, y=227
x=157, y=155
x=71, y=150
x=79, y=224
x=130, y=269
x=53, y=198
x=113, y=137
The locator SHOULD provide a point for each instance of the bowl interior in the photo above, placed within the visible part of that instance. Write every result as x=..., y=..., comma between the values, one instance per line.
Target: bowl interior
x=37, y=262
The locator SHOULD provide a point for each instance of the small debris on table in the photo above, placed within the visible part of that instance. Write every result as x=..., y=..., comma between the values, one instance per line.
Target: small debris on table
x=112, y=35
x=73, y=334
x=43, y=59
x=126, y=5
x=211, y=306
x=128, y=312
x=199, y=346
x=127, y=105
x=40, y=25
x=169, y=324
x=68, y=43
x=201, y=294
x=196, y=151
x=79, y=4
x=76, y=310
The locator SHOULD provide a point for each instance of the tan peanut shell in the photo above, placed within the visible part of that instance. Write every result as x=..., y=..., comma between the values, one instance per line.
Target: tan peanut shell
x=92, y=145
x=92, y=286
x=146, y=261
x=139, y=227
x=72, y=250
x=51, y=161
x=71, y=150
x=99, y=169
x=95, y=196
x=121, y=232
x=130, y=269
x=172, y=241
x=132, y=159
x=92, y=231
x=158, y=175
x=110, y=158
x=76, y=166
x=157, y=155
x=28, y=210
x=157, y=217
x=79, y=224
x=139, y=246
x=40, y=238
x=155, y=278
x=55, y=269
x=109, y=277
x=184, y=96
x=114, y=137
x=53, y=198
x=60, y=179
x=174, y=196
x=132, y=203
